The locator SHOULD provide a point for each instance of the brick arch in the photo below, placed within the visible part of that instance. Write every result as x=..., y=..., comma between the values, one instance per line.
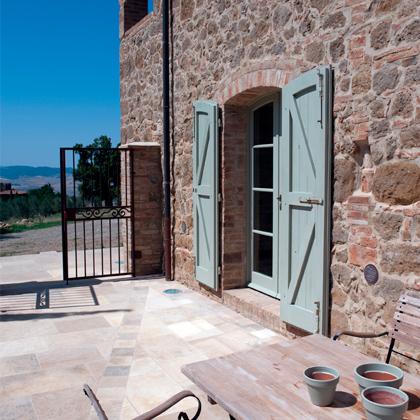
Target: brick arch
x=243, y=89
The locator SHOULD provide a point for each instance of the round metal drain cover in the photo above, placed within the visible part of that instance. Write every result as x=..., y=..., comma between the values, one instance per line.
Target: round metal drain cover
x=172, y=291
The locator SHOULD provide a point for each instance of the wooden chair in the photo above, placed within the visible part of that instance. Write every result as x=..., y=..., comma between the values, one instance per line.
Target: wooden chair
x=150, y=414
x=406, y=327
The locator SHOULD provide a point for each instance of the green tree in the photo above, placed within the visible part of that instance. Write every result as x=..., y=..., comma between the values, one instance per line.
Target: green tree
x=39, y=202
x=98, y=172
x=46, y=191
x=43, y=201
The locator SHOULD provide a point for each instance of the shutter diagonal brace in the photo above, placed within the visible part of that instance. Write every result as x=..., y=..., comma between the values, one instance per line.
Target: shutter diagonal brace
x=203, y=155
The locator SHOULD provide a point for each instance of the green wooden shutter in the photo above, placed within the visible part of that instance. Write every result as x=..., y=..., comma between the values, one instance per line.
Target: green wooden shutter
x=304, y=185
x=205, y=192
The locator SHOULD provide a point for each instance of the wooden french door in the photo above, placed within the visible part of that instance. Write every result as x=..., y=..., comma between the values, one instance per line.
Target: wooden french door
x=264, y=118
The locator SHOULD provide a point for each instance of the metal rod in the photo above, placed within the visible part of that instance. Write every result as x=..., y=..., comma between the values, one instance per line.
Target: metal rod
x=64, y=215
x=75, y=246
x=122, y=193
x=93, y=247
x=110, y=248
x=166, y=138
x=109, y=180
x=74, y=180
x=102, y=247
x=91, y=178
x=100, y=179
x=83, y=178
x=118, y=246
x=84, y=245
x=133, y=235
x=74, y=206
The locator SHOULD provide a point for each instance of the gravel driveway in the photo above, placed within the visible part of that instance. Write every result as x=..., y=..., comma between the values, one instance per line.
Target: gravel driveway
x=49, y=239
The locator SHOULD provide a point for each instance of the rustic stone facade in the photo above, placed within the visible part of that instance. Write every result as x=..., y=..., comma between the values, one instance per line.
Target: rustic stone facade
x=234, y=52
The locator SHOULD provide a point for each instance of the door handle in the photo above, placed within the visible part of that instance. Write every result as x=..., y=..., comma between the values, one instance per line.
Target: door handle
x=311, y=200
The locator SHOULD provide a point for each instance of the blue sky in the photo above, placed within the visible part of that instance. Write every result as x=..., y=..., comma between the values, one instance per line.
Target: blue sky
x=59, y=77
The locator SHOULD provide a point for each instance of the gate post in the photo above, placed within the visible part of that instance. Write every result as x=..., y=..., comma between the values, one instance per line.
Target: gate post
x=146, y=186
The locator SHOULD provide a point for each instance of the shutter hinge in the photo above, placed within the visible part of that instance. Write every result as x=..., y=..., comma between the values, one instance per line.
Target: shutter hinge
x=321, y=93
x=219, y=198
x=219, y=123
x=219, y=270
x=320, y=77
x=316, y=318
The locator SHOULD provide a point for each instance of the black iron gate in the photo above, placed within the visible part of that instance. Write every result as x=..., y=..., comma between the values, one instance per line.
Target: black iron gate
x=97, y=212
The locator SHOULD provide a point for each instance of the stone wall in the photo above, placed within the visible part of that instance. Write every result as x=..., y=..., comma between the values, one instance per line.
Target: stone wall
x=234, y=52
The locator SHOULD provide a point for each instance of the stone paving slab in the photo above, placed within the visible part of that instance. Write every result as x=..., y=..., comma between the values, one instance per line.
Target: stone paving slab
x=124, y=336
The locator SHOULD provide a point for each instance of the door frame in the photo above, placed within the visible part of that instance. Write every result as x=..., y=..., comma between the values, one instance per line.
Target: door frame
x=274, y=97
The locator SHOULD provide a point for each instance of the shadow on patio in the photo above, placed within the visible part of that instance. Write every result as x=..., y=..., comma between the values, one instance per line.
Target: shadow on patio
x=125, y=337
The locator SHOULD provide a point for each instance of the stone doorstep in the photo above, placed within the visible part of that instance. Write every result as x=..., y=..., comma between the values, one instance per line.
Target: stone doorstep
x=254, y=305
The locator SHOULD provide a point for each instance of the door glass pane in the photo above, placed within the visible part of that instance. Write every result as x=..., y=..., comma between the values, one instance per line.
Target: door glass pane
x=263, y=254
x=263, y=211
x=263, y=124
x=263, y=167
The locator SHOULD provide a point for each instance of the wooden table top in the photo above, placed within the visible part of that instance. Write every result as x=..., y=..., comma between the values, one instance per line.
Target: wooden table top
x=267, y=382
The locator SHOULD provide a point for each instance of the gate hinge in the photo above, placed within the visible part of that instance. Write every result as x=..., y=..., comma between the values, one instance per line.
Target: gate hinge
x=219, y=270
x=219, y=198
x=219, y=123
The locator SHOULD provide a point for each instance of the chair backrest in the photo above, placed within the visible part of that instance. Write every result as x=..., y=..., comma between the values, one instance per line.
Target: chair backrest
x=406, y=327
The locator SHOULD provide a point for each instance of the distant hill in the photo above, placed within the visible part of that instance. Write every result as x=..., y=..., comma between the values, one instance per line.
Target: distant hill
x=25, y=178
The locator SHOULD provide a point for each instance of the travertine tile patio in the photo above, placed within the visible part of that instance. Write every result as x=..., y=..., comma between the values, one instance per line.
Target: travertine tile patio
x=125, y=337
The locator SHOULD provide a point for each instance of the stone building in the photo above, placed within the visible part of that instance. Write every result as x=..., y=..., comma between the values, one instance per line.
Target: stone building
x=295, y=155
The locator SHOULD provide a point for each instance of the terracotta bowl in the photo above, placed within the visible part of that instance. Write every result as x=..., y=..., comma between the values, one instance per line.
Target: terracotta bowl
x=378, y=374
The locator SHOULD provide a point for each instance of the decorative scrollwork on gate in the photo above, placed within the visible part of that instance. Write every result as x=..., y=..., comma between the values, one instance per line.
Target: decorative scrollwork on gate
x=102, y=213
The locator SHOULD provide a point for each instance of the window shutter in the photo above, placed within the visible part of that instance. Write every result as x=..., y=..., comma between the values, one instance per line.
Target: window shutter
x=205, y=192
x=305, y=161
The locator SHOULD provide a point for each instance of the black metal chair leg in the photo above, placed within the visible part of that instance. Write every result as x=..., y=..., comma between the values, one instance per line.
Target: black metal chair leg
x=391, y=346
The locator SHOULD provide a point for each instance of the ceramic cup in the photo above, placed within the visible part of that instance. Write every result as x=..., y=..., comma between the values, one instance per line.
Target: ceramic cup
x=378, y=374
x=322, y=382
x=384, y=403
